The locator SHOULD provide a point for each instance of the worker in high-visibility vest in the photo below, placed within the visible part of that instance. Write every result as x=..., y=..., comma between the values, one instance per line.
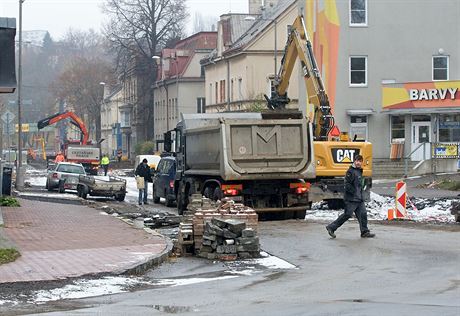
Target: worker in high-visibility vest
x=105, y=161
x=59, y=158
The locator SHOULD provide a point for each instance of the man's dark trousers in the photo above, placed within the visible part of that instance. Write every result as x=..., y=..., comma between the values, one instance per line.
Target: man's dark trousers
x=360, y=211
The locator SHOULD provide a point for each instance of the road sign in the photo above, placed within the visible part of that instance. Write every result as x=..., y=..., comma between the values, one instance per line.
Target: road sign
x=8, y=117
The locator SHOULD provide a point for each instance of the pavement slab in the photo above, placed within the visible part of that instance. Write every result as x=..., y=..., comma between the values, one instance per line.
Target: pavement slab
x=59, y=241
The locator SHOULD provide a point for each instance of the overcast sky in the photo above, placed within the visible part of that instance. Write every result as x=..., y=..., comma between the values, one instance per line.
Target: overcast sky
x=56, y=16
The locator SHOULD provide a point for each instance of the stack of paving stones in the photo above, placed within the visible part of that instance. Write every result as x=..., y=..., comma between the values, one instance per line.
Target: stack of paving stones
x=228, y=240
x=201, y=212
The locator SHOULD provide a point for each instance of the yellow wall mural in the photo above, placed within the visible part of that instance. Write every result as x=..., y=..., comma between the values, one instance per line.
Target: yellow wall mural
x=323, y=26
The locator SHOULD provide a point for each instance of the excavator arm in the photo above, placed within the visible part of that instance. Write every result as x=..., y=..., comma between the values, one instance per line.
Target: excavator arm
x=299, y=46
x=75, y=120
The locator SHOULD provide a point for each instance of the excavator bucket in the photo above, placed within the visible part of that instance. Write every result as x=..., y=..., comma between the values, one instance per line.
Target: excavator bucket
x=7, y=56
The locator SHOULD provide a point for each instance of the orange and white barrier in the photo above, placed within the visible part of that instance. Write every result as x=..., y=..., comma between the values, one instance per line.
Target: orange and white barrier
x=400, y=211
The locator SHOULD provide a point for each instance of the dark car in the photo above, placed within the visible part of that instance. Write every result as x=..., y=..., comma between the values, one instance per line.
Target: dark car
x=163, y=182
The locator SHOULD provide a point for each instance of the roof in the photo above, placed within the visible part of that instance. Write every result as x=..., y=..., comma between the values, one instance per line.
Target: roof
x=260, y=25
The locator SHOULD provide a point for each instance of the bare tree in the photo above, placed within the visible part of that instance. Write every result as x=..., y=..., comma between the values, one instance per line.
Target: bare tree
x=137, y=31
x=79, y=86
x=203, y=23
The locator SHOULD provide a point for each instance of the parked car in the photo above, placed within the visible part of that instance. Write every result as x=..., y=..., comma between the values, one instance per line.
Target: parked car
x=163, y=181
x=152, y=161
x=64, y=175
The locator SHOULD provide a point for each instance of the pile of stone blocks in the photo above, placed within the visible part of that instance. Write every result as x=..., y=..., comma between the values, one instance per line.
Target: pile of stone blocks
x=228, y=239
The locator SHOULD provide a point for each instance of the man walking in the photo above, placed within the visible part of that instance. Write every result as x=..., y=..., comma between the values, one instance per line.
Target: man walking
x=354, y=200
x=143, y=170
x=105, y=161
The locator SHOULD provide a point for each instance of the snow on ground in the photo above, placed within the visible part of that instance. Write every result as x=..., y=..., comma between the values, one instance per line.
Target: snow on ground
x=420, y=210
x=112, y=285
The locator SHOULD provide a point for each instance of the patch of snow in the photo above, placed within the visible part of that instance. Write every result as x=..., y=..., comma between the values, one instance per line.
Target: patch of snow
x=188, y=281
x=103, y=213
x=7, y=302
x=86, y=288
x=66, y=196
x=420, y=210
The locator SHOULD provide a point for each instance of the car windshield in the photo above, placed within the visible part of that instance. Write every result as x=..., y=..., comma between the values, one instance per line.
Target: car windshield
x=71, y=169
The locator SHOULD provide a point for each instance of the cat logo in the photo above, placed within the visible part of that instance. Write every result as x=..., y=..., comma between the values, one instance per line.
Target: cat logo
x=344, y=155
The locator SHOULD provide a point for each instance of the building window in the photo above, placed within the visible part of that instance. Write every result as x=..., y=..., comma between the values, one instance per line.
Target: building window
x=358, y=127
x=271, y=85
x=358, y=71
x=200, y=105
x=358, y=12
x=449, y=128
x=217, y=92
x=398, y=127
x=440, y=68
x=222, y=91
x=125, y=119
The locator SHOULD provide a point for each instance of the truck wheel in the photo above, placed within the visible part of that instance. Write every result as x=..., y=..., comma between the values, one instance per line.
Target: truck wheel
x=120, y=197
x=169, y=202
x=208, y=192
x=61, y=187
x=47, y=186
x=457, y=218
x=218, y=194
x=156, y=199
x=182, y=199
x=84, y=192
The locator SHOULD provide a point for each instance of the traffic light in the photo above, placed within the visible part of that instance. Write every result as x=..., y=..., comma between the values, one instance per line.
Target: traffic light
x=7, y=55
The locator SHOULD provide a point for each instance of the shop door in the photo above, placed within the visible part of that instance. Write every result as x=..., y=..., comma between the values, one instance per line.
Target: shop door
x=421, y=134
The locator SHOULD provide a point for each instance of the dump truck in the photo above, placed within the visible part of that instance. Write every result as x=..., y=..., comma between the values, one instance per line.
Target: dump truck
x=263, y=159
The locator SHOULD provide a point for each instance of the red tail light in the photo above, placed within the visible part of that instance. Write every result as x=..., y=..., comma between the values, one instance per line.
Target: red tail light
x=55, y=175
x=171, y=184
x=299, y=187
x=232, y=192
x=232, y=189
x=301, y=190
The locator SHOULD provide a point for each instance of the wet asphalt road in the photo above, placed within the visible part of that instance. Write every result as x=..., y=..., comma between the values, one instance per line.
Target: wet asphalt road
x=406, y=270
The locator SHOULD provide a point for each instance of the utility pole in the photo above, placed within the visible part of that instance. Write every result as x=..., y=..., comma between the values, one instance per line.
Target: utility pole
x=19, y=177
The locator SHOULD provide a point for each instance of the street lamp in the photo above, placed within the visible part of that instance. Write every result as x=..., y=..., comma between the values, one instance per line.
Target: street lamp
x=275, y=22
x=19, y=178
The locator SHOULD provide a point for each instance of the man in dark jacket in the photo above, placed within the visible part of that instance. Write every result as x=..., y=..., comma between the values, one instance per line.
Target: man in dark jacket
x=354, y=200
x=143, y=170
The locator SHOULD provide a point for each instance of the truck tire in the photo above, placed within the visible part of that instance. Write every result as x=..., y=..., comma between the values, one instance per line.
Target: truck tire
x=457, y=218
x=120, y=197
x=156, y=199
x=61, y=187
x=207, y=193
x=169, y=201
x=84, y=192
x=47, y=186
x=218, y=194
x=182, y=197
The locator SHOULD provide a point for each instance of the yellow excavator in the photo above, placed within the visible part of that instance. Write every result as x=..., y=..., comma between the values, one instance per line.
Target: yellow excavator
x=333, y=153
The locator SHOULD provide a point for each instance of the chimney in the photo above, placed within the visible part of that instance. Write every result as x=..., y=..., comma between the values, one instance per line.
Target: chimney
x=255, y=6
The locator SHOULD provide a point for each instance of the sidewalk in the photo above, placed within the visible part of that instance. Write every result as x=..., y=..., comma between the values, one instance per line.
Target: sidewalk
x=59, y=241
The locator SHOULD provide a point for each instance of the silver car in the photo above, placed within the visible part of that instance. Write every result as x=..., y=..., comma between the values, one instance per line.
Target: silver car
x=64, y=176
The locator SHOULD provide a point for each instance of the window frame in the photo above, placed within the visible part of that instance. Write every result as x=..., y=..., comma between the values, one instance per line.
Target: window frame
x=358, y=85
x=366, y=9
x=432, y=67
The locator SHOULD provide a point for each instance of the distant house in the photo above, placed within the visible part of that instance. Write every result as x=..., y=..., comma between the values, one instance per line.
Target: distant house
x=242, y=68
x=180, y=85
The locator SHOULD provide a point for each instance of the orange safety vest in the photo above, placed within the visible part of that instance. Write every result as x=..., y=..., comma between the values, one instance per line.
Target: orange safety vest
x=59, y=158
